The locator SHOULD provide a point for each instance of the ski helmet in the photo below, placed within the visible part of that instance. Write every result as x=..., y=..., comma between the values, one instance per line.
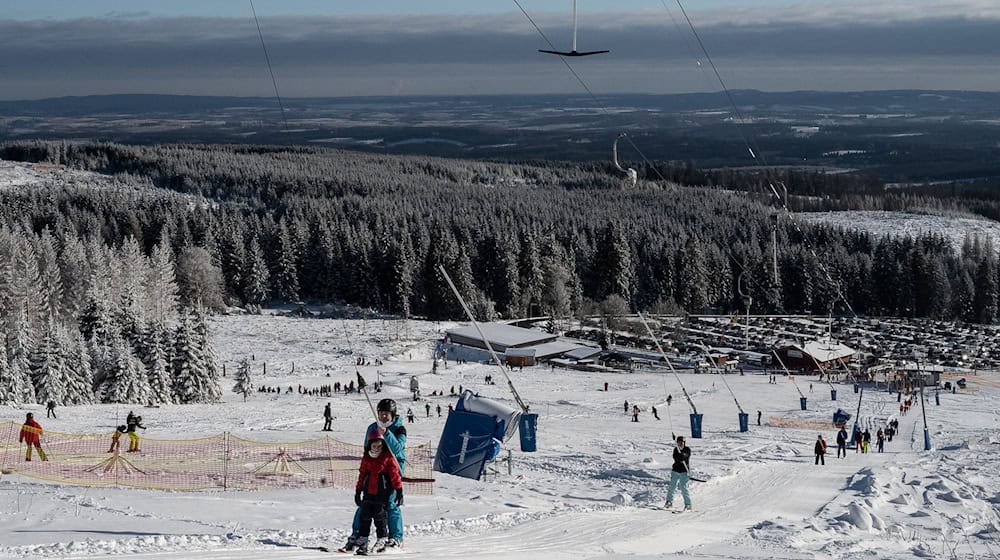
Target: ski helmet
x=387, y=405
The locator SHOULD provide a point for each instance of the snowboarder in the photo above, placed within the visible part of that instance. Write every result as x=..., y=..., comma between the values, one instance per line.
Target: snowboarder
x=132, y=423
x=679, y=474
x=820, y=450
x=379, y=484
x=31, y=436
x=327, y=418
x=116, y=438
x=50, y=409
x=842, y=443
x=394, y=435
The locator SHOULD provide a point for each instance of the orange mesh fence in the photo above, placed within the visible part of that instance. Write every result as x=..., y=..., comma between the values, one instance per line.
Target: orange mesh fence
x=799, y=423
x=221, y=461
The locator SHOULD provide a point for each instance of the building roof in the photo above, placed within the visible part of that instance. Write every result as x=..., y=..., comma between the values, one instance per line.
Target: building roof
x=502, y=334
x=825, y=350
x=561, y=347
x=582, y=353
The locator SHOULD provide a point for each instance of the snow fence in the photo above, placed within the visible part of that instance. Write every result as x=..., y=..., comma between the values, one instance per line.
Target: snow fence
x=220, y=461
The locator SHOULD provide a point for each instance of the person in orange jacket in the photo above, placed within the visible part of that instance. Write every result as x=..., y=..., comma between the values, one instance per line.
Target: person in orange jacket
x=31, y=436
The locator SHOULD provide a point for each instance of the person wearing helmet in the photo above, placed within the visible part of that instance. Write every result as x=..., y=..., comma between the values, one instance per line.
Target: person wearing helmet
x=31, y=436
x=390, y=425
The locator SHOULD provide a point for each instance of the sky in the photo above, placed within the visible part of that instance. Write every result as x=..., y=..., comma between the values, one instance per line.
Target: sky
x=317, y=48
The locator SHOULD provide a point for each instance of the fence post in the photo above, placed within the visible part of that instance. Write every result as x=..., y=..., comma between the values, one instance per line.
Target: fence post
x=225, y=460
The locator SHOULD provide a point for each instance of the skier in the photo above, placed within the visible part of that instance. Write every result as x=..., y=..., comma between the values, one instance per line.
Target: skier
x=626, y=407
x=394, y=435
x=132, y=423
x=50, y=409
x=327, y=418
x=670, y=399
x=409, y=415
x=378, y=478
x=881, y=440
x=439, y=410
x=635, y=413
x=31, y=436
x=842, y=443
x=679, y=474
x=116, y=438
x=427, y=407
x=820, y=450
x=867, y=439
x=655, y=414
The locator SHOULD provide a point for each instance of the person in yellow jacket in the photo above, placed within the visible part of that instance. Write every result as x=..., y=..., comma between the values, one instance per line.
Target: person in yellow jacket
x=132, y=423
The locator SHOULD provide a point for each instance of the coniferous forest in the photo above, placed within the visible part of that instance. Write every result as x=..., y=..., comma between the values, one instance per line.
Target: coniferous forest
x=104, y=285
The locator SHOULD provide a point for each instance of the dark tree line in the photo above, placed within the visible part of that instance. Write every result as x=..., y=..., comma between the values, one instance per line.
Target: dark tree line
x=247, y=225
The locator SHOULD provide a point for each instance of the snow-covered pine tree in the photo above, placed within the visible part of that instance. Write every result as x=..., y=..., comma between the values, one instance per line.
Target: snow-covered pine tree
x=194, y=380
x=8, y=392
x=160, y=285
x=286, y=274
x=157, y=368
x=74, y=273
x=18, y=345
x=256, y=276
x=47, y=367
x=243, y=385
x=212, y=388
x=78, y=375
x=127, y=380
x=51, y=287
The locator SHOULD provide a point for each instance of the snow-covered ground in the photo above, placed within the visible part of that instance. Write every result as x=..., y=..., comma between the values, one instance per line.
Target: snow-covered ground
x=881, y=223
x=589, y=491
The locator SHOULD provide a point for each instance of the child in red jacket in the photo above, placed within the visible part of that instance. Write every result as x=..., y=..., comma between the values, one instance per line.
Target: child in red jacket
x=377, y=478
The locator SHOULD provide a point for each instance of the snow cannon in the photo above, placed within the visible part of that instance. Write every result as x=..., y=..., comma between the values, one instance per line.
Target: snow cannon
x=840, y=418
x=473, y=435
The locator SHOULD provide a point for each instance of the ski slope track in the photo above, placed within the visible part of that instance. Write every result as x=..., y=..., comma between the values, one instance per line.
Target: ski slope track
x=593, y=490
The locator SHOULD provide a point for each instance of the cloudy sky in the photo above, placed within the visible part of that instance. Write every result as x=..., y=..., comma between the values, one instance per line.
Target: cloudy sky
x=51, y=48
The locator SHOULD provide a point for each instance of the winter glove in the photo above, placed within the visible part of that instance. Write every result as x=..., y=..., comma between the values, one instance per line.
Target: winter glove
x=399, y=497
x=357, y=498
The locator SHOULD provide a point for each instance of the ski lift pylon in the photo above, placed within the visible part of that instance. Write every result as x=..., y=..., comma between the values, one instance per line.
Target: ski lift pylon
x=573, y=52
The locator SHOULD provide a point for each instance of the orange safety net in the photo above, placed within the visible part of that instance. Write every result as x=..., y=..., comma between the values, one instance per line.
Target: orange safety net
x=220, y=461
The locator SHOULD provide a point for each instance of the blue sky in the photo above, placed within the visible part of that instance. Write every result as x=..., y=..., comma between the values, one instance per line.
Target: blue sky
x=53, y=48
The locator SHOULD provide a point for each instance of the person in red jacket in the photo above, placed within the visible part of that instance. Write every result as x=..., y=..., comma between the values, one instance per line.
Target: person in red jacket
x=31, y=435
x=377, y=478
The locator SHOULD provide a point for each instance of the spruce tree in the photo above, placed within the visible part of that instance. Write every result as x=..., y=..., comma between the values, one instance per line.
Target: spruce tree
x=243, y=385
x=79, y=377
x=47, y=367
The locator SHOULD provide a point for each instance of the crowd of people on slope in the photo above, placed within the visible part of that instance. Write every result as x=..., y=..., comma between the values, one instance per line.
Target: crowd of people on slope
x=861, y=440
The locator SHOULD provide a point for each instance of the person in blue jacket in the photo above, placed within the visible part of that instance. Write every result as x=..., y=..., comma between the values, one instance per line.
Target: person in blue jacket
x=394, y=434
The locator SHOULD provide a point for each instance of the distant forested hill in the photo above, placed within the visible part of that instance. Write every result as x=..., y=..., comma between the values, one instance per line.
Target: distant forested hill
x=288, y=224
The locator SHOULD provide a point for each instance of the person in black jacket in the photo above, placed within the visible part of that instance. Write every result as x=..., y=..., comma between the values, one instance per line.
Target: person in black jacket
x=842, y=442
x=679, y=474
